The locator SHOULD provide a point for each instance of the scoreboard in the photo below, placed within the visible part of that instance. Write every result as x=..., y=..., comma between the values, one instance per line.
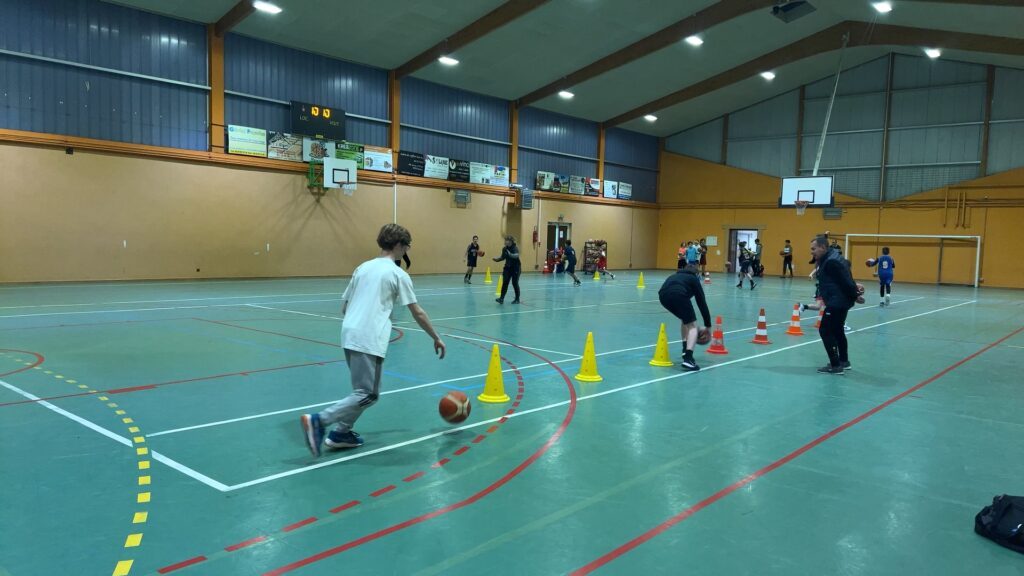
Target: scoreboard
x=320, y=122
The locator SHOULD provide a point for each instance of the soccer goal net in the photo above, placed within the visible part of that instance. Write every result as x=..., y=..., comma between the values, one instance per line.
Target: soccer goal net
x=934, y=258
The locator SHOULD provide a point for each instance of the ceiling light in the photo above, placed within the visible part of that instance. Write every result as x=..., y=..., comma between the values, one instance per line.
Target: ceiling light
x=266, y=7
x=933, y=53
x=447, y=60
x=882, y=7
x=566, y=95
x=694, y=40
x=650, y=117
x=768, y=75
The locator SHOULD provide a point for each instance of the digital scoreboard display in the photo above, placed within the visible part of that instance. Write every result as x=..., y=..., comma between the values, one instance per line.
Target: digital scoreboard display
x=320, y=122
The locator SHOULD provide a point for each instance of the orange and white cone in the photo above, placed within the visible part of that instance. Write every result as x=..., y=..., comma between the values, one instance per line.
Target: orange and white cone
x=761, y=334
x=717, y=339
x=707, y=278
x=821, y=314
x=794, y=323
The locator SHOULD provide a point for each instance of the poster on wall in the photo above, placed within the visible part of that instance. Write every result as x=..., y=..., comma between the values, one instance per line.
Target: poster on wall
x=377, y=159
x=544, y=181
x=247, y=141
x=561, y=183
x=625, y=190
x=349, y=151
x=480, y=173
x=577, y=184
x=458, y=170
x=411, y=163
x=611, y=189
x=436, y=167
x=283, y=146
x=316, y=150
x=593, y=187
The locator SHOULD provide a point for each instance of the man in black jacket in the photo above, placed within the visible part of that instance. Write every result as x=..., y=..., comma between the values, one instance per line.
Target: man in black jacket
x=675, y=295
x=839, y=292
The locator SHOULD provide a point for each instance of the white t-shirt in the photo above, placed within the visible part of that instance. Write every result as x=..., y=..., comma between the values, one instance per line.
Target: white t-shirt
x=376, y=287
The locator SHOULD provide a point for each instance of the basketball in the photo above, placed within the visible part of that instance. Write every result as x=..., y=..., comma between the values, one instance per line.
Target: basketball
x=481, y=253
x=870, y=262
x=860, y=288
x=454, y=407
x=782, y=252
x=703, y=336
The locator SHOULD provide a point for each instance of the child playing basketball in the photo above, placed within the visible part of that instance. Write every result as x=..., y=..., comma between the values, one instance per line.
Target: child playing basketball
x=886, y=268
x=602, y=264
x=675, y=295
x=746, y=258
x=569, y=258
x=471, y=254
x=371, y=295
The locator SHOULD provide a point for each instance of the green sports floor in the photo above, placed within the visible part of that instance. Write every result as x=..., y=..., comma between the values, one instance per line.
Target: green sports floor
x=152, y=428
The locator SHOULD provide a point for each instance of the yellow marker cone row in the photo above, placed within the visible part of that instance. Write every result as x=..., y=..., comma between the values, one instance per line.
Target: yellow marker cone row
x=640, y=283
x=588, y=367
x=487, y=277
x=661, y=357
x=494, y=386
x=597, y=275
x=497, y=288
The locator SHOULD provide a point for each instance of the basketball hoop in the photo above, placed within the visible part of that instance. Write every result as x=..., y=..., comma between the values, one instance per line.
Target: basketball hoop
x=801, y=206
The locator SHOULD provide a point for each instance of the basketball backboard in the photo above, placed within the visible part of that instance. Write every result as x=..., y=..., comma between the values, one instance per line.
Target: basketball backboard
x=816, y=190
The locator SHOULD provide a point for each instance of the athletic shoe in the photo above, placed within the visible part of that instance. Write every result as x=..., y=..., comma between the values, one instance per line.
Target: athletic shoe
x=888, y=301
x=740, y=285
x=576, y=283
x=499, y=300
x=846, y=365
x=752, y=285
x=336, y=440
x=312, y=432
x=689, y=365
x=516, y=301
x=612, y=275
x=826, y=369
x=881, y=303
x=846, y=328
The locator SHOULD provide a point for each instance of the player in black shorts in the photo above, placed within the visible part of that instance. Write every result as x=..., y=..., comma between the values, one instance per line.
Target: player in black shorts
x=471, y=251
x=675, y=295
x=570, y=262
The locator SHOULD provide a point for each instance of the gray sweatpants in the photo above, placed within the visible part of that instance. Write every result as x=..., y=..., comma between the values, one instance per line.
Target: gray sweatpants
x=365, y=370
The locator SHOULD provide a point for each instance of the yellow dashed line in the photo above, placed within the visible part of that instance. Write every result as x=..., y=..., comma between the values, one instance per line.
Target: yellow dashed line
x=72, y=381
x=44, y=371
x=58, y=376
x=143, y=497
x=142, y=451
x=111, y=405
x=133, y=429
x=138, y=439
x=82, y=386
x=103, y=398
x=133, y=540
x=119, y=412
x=140, y=517
x=144, y=480
x=143, y=464
x=123, y=568
x=127, y=420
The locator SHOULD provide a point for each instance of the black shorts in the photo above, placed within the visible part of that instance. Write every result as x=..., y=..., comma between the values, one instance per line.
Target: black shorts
x=471, y=262
x=570, y=268
x=679, y=305
x=745, y=266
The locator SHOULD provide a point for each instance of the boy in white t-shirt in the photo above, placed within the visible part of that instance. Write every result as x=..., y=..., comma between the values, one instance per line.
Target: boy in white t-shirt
x=376, y=286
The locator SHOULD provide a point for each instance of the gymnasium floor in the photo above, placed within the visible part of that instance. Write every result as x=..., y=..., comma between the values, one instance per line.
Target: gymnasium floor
x=157, y=423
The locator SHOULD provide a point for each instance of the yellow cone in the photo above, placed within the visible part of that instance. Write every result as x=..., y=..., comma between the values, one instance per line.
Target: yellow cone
x=588, y=368
x=661, y=357
x=640, y=283
x=597, y=275
x=494, y=387
x=497, y=288
x=487, y=277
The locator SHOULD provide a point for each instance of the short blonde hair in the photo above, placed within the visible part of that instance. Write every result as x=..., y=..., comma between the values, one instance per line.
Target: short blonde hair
x=392, y=235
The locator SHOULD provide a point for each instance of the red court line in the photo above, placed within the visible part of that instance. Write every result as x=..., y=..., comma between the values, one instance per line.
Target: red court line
x=245, y=543
x=382, y=491
x=129, y=389
x=94, y=324
x=413, y=477
x=344, y=506
x=299, y=524
x=332, y=344
x=462, y=451
x=462, y=503
x=479, y=439
x=492, y=429
x=39, y=360
x=660, y=528
x=182, y=564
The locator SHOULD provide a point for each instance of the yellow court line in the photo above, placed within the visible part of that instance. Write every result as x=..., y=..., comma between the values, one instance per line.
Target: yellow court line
x=143, y=464
x=143, y=497
x=123, y=568
x=140, y=517
x=133, y=429
x=138, y=439
x=142, y=451
x=144, y=480
x=127, y=420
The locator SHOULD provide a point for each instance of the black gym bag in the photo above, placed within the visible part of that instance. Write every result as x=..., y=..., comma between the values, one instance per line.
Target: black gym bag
x=1003, y=522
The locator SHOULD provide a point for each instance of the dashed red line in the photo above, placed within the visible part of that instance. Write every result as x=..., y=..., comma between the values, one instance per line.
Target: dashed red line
x=182, y=564
x=382, y=491
x=413, y=477
x=245, y=543
x=479, y=439
x=440, y=462
x=344, y=506
x=492, y=429
x=299, y=524
x=503, y=420
x=462, y=451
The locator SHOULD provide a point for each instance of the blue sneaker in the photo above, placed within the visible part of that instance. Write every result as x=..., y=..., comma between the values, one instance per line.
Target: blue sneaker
x=338, y=439
x=312, y=432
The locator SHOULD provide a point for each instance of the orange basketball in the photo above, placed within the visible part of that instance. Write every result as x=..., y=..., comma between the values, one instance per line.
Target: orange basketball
x=454, y=407
x=870, y=262
x=481, y=253
x=703, y=336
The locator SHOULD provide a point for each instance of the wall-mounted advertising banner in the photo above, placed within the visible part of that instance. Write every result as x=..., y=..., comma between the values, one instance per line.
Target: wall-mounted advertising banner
x=283, y=146
x=480, y=173
x=577, y=184
x=625, y=190
x=544, y=181
x=247, y=141
x=411, y=163
x=349, y=151
x=561, y=183
x=611, y=189
x=593, y=187
x=436, y=167
x=377, y=159
x=316, y=150
x=458, y=170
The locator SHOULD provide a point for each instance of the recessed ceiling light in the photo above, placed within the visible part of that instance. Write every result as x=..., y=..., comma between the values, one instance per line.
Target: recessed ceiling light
x=694, y=40
x=566, y=95
x=266, y=7
x=882, y=7
x=768, y=75
x=933, y=53
x=650, y=117
x=447, y=60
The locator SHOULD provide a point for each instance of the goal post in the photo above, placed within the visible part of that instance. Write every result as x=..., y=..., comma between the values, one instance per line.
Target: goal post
x=975, y=239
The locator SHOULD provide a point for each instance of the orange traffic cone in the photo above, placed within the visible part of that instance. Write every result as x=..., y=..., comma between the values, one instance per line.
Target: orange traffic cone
x=547, y=269
x=821, y=314
x=761, y=334
x=717, y=339
x=707, y=278
x=794, y=323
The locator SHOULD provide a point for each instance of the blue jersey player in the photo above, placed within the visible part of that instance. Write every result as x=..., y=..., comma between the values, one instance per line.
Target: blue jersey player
x=886, y=267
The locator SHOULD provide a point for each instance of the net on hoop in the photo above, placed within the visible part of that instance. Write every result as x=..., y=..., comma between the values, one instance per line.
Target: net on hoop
x=801, y=207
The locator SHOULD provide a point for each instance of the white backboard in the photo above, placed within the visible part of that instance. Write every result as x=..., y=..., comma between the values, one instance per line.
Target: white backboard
x=338, y=173
x=815, y=189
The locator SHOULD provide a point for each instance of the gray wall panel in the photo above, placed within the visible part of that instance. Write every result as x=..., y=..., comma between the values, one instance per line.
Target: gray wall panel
x=843, y=150
x=920, y=71
x=531, y=162
x=771, y=118
x=1008, y=97
x=430, y=105
x=632, y=148
x=855, y=112
x=645, y=182
x=940, y=105
x=550, y=131
x=935, y=145
x=704, y=141
x=868, y=77
x=1006, y=147
x=901, y=182
x=453, y=147
x=776, y=157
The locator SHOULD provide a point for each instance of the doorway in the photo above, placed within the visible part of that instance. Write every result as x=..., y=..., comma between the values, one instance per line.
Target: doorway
x=558, y=233
x=735, y=237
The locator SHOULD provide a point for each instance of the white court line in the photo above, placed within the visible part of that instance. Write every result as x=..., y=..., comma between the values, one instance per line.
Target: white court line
x=119, y=439
x=448, y=381
x=562, y=403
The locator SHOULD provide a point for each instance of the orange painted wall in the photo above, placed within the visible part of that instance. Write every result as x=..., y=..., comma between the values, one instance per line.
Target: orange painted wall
x=700, y=198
